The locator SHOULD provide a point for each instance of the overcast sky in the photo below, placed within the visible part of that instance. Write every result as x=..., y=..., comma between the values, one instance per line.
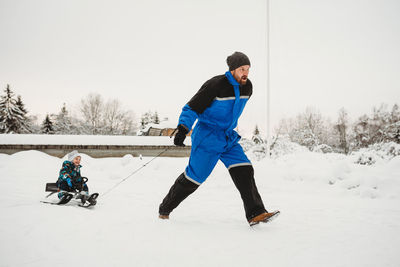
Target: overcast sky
x=155, y=55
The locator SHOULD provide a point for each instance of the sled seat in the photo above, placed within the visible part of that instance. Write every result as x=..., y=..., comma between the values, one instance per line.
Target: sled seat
x=51, y=187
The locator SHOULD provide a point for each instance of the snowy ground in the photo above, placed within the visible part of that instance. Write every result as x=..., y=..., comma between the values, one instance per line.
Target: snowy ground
x=334, y=213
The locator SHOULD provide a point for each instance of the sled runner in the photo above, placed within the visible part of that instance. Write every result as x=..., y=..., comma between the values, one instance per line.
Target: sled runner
x=67, y=196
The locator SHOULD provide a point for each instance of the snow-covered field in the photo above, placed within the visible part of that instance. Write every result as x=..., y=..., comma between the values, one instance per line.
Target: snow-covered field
x=333, y=213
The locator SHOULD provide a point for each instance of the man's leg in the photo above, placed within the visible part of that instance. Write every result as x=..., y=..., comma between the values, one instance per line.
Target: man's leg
x=243, y=178
x=180, y=190
x=201, y=164
x=242, y=174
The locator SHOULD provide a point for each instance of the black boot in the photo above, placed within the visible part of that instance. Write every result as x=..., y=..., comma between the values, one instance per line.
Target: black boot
x=243, y=177
x=180, y=190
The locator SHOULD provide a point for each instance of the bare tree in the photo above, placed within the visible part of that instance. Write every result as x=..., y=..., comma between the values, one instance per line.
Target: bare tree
x=116, y=119
x=91, y=108
x=128, y=123
x=342, y=126
x=113, y=117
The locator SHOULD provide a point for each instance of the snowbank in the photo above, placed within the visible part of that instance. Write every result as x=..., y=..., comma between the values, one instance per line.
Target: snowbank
x=376, y=153
x=38, y=139
x=282, y=146
x=349, y=174
x=324, y=220
x=342, y=174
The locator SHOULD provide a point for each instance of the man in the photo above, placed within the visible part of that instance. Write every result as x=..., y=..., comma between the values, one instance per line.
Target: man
x=217, y=106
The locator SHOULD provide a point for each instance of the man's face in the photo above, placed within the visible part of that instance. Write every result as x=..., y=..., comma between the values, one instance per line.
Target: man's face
x=77, y=160
x=240, y=74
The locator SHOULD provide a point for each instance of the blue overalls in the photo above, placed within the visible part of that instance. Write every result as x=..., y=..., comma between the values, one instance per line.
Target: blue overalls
x=213, y=137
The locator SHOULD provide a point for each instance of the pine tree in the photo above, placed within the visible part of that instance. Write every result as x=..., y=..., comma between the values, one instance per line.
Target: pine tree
x=256, y=131
x=25, y=123
x=391, y=131
x=47, y=126
x=62, y=124
x=146, y=119
x=21, y=105
x=12, y=119
x=256, y=136
x=156, y=119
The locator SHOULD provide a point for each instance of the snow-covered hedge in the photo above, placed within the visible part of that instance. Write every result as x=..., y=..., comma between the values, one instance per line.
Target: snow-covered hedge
x=376, y=152
x=282, y=146
x=323, y=149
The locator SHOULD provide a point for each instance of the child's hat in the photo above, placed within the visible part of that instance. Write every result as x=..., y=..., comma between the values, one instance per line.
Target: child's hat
x=73, y=155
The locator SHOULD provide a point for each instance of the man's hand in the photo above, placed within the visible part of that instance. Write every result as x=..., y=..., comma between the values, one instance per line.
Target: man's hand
x=180, y=135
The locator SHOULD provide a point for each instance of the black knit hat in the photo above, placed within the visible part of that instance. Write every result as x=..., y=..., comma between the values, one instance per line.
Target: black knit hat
x=236, y=60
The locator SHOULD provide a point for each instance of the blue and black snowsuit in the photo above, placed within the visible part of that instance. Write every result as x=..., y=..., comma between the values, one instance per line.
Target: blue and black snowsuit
x=70, y=178
x=217, y=107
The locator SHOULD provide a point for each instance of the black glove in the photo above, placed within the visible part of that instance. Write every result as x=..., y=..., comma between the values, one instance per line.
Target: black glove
x=180, y=135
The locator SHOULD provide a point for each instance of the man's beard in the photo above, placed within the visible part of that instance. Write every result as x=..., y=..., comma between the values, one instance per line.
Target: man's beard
x=243, y=80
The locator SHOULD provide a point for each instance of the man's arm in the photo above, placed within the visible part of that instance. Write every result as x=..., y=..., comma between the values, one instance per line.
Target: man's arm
x=199, y=102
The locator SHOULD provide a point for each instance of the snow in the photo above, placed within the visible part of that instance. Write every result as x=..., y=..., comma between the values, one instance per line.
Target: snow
x=41, y=139
x=334, y=212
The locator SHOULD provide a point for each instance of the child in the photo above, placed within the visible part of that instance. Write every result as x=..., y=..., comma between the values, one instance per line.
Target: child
x=70, y=178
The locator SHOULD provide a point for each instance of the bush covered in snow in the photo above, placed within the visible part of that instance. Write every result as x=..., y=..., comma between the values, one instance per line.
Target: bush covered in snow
x=323, y=149
x=376, y=152
x=254, y=150
x=281, y=146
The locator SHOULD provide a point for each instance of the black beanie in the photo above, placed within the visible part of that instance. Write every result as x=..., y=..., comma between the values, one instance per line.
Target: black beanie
x=236, y=60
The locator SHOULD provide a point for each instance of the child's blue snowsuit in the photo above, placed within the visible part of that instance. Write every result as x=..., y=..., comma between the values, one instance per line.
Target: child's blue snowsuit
x=213, y=137
x=70, y=178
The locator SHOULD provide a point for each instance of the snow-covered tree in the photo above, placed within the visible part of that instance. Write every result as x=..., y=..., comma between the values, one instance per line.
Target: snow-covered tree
x=149, y=117
x=342, y=126
x=62, y=122
x=256, y=130
x=156, y=119
x=395, y=114
x=256, y=136
x=381, y=126
x=308, y=129
x=25, y=122
x=145, y=119
x=112, y=117
x=116, y=119
x=391, y=131
x=109, y=118
x=47, y=126
x=129, y=127
x=91, y=110
x=380, y=119
x=34, y=125
x=12, y=113
x=361, y=131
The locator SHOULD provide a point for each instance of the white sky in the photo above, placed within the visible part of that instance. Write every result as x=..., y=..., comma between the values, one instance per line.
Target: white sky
x=155, y=55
